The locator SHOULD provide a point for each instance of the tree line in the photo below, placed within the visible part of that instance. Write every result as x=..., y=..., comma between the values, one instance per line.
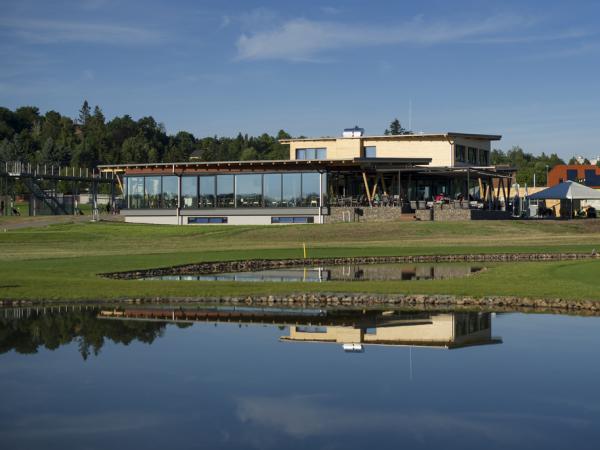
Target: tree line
x=27, y=135
x=53, y=330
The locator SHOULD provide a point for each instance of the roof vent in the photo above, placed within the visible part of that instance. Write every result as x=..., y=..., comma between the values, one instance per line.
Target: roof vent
x=353, y=132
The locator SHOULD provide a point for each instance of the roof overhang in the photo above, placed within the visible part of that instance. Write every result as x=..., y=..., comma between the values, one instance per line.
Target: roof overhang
x=266, y=165
x=450, y=135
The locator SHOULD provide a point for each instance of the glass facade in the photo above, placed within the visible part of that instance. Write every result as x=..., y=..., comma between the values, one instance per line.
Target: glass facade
x=225, y=191
x=272, y=190
x=248, y=191
x=310, y=189
x=460, y=153
x=152, y=195
x=135, y=192
x=252, y=190
x=292, y=189
x=206, y=195
x=169, y=191
x=189, y=192
x=472, y=155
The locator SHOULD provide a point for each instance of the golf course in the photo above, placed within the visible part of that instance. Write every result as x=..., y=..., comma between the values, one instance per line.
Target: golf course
x=64, y=261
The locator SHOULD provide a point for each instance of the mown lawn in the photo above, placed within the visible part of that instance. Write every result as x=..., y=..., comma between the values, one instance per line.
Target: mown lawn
x=63, y=261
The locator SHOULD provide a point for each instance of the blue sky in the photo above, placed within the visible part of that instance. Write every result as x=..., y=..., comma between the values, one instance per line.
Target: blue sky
x=528, y=70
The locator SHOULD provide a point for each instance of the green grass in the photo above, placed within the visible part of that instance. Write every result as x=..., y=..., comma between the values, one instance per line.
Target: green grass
x=63, y=261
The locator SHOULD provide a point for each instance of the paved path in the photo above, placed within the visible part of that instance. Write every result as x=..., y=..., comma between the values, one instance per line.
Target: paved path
x=15, y=223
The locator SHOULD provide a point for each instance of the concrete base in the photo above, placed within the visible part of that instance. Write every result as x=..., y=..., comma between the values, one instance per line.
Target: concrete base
x=231, y=220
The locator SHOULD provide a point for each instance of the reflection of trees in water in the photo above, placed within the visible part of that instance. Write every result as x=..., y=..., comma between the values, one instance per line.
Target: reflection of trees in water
x=28, y=334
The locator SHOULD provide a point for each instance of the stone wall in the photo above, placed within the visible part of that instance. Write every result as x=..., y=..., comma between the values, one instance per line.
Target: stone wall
x=375, y=214
x=448, y=214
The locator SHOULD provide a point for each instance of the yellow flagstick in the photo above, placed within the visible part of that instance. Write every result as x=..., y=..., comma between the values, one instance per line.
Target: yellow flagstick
x=304, y=248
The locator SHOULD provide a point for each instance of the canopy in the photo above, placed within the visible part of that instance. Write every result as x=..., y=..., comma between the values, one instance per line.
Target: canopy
x=568, y=190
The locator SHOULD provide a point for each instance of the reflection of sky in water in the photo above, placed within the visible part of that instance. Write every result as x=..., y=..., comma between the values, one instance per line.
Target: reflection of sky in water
x=228, y=387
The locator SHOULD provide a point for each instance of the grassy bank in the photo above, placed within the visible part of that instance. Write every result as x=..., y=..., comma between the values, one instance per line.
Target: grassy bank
x=62, y=261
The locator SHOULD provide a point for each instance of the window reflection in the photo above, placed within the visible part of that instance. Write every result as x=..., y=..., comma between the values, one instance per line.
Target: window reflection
x=272, y=190
x=310, y=189
x=248, y=191
x=225, y=197
x=189, y=192
x=135, y=192
x=206, y=198
x=153, y=189
x=169, y=191
x=292, y=193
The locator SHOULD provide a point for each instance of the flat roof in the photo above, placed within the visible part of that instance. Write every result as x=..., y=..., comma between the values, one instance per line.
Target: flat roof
x=407, y=137
x=283, y=164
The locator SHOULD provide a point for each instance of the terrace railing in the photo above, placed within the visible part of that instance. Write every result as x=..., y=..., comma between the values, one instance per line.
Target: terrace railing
x=19, y=169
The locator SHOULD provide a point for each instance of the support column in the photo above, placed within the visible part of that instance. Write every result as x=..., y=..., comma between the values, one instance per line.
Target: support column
x=179, y=220
x=364, y=175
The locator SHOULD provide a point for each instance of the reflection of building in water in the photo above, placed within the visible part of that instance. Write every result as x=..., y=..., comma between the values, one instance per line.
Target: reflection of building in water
x=449, y=330
x=354, y=272
x=375, y=327
x=406, y=272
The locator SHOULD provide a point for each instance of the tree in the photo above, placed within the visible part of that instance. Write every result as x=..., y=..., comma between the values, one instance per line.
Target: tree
x=573, y=161
x=396, y=129
x=84, y=113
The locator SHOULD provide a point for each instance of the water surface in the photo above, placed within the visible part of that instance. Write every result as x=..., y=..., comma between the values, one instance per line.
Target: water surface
x=348, y=272
x=163, y=377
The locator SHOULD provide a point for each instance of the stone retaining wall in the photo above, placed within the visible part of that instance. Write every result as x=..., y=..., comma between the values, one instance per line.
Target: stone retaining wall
x=375, y=214
x=341, y=300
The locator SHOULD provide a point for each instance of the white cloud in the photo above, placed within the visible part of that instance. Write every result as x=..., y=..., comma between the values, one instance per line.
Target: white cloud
x=303, y=39
x=52, y=32
x=88, y=75
x=306, y=416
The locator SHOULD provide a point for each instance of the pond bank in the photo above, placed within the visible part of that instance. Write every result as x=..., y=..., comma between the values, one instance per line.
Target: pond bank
x=362, y=300
x=261, y=264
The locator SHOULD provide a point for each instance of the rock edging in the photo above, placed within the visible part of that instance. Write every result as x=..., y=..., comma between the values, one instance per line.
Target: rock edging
x=211, y=267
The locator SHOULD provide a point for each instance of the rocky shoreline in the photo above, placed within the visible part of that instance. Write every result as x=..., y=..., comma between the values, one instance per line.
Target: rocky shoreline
x=212, y=267
x=339, y=300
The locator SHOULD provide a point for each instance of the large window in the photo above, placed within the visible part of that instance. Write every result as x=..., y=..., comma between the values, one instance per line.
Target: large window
x=225, y=192
x=272, y=190
x=311, y=153
x=135, y=192
x=472, y=155
x=169, y=191
x=248, y=191
x=206, y=196
x=310, y=189
x=460, y=153
x=189, y=192
x=292, y=192
x=153, y=191
x=370, y=152
x=484, y=157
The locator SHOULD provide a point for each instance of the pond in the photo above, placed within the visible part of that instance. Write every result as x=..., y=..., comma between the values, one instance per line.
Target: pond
x=349, y=272
x=155, y=377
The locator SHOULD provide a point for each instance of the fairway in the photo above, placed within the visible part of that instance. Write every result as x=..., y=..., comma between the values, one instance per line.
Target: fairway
x=62, y=262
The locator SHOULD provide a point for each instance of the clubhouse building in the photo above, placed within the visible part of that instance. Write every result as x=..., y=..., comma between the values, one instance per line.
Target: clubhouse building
x=348, y=178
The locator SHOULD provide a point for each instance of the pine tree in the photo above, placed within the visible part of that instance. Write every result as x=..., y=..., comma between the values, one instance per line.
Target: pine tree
x=84, y=113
